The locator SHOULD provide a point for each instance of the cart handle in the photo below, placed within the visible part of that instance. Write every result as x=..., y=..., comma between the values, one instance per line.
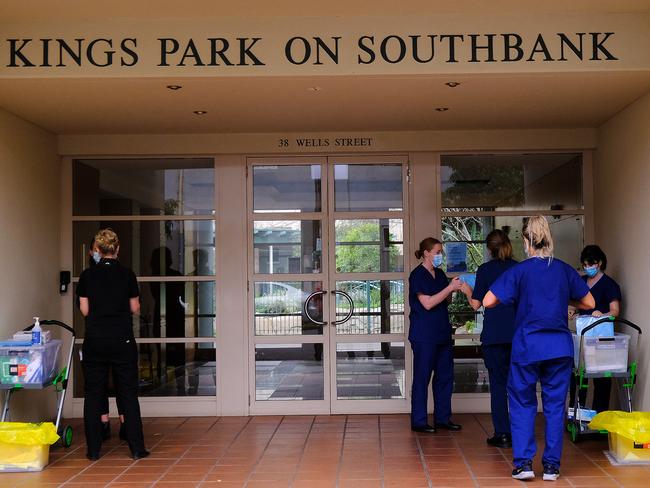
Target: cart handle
x=52, y=322
x=611, y=319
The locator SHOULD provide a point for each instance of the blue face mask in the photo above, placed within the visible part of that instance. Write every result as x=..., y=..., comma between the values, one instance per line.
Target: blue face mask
x=591, y=271
x=96, y=256
x=437, y=260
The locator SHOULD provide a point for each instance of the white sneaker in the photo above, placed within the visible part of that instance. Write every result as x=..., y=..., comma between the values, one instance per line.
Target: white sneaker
x=524, y=472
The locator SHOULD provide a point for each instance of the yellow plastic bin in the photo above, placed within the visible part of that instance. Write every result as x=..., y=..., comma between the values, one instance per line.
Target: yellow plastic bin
x=629, y=435
x=625, y=450
x=25, y=447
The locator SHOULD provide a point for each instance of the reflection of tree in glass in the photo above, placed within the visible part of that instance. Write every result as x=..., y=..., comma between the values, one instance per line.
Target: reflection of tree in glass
x=485, y=185
x=363, y=255
x=469, y=230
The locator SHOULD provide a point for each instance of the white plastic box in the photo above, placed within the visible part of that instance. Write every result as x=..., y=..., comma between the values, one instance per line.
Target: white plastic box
x=606, y=354
x=27, y=365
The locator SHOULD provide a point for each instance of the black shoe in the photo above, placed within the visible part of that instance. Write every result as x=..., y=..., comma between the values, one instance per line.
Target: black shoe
x=449, y=425
x=140, y=454
x=106, y=430
x=551, y=473
x=122, y=433
x=92, y=456
x=503, y=441
x=524, y=472
x=425, y=429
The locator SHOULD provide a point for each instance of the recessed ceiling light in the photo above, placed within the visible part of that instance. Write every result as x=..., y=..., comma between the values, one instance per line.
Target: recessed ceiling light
x=442, y=109
x=314, y=88
x=174, y=87
x=200, y=112
x=452, y=84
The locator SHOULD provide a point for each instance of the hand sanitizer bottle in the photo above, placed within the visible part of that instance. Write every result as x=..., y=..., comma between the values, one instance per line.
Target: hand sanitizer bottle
x=36, y=332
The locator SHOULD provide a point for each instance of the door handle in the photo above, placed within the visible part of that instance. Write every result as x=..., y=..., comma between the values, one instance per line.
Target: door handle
x=350, y=313
x=305, y=307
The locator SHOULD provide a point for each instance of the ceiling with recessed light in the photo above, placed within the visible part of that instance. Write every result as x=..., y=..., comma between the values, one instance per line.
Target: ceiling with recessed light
x=257, y=104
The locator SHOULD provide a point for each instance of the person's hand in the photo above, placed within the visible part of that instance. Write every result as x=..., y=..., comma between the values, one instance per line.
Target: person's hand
x=572, y=312
x=465, y=288
x=455, y=284
x=596, y=313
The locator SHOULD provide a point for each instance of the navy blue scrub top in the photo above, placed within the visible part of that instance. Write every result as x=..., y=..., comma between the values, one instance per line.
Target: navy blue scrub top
x=540, y=289
x=428, y=325
x=498, y=322
x=605, y=291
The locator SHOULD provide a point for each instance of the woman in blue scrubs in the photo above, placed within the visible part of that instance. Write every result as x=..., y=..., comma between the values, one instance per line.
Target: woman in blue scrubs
x=541, y=289
x=498, y=329
x=607, y=295
x=430, y=337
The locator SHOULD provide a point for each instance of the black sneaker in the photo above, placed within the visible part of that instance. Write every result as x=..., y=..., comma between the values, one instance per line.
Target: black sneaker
x=551, y=473
x=524, y=472
x=503, y=441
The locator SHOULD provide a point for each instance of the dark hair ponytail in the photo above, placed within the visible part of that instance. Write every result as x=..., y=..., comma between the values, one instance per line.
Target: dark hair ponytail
x=499, y=245
x=426, y=245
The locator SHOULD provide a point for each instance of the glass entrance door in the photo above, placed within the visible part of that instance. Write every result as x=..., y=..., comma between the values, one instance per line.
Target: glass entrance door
x=327, y=284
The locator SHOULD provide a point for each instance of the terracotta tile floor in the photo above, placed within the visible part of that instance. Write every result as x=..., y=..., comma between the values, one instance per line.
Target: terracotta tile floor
x=353, y=451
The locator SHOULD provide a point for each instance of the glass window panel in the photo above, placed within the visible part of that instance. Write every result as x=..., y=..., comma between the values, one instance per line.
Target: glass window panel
x=289, y=372
x=167, y=370
x=511, y=181
x=294, y=188
x=470, y=373
x=378, y=307
x=153, y=248
x=169, y=309
x=370, y=371
x=287, y=246
x=143, y=187
x=279, y=308
x=567, y=230
x=369, y=245
x=368, y=187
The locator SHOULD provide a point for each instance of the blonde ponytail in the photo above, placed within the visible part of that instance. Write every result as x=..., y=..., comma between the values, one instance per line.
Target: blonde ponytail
x=538, y=234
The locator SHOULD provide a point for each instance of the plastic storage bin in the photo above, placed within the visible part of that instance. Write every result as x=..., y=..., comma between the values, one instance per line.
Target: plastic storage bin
x=25, y=365
x=606, y=354
x=625, y=450
x=25, y=447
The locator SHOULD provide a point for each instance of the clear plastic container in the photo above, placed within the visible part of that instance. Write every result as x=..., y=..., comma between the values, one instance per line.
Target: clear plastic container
x=29, y=365
x=18, y=457
x=606, y=354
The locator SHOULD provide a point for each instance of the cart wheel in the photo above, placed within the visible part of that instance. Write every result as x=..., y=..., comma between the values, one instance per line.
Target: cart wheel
x=573, y=431
x=66, y=438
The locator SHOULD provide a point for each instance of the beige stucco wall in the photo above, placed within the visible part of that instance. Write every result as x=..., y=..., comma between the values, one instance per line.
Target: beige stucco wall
x=622, y=204
x=29, y=247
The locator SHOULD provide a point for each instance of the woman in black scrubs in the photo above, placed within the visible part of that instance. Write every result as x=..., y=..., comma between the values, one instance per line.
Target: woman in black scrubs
x=498, y=329
x=108, y=297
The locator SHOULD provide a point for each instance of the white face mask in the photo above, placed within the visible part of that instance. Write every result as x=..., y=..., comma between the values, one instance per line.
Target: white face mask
x=96, y=256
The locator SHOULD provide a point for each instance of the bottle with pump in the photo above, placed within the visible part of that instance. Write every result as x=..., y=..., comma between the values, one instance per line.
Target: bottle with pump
x=36, y=332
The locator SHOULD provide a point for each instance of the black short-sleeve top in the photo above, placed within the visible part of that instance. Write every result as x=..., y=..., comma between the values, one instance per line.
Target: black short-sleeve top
x=109, y=286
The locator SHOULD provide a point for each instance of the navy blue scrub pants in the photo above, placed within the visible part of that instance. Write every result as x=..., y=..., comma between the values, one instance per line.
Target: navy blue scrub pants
x=497, y=362
x=554, y=376
x=438, y=359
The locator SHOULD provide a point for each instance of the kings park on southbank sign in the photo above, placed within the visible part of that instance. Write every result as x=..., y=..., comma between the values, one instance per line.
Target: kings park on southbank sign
x=362, y=50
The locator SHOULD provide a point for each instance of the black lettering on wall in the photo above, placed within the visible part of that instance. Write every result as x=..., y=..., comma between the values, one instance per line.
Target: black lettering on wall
x=333, y=54
x=401, y=53
x=416, y=48
x=452, y=45
x=489, y=48
x=90, y=53
x=540, y=47
x=166, y=50
x=15, y=54
x=74, y=55
x=191, y=52
x=129, y=51
x=598, y=46
x=508, y=47
x=565, y=41
x=218, y=47
x=367, y=49
x=45, y=61
x=246, y=51
x=306, y=50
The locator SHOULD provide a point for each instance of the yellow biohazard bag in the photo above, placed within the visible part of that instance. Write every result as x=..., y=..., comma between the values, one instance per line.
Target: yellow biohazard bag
x=633, y=425
x=24, y=446
x=629, y=435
